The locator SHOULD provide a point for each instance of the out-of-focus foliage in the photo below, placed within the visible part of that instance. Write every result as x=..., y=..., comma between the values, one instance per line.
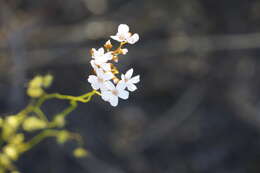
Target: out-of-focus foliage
x=14, y=132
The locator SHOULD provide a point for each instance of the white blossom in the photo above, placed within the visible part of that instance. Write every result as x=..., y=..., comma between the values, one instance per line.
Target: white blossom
x=123, y=35
x=100, y=56
x=104, y=66
x=129, y=80
x=113, y=93
x=98, y=81
x=106, y=80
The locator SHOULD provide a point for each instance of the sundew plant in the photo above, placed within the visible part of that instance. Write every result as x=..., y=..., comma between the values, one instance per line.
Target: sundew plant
x=106, y=81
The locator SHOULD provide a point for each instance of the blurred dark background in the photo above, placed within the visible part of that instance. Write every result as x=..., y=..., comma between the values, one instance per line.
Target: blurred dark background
x=197, y=109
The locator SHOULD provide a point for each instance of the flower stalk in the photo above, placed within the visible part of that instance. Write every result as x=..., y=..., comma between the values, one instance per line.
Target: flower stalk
x=14, y=129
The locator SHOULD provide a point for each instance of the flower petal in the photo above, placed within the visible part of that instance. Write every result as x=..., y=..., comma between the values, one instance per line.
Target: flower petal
x=95, y=85
x=129, y=73
x=101, y=51
x=108, y=56
x=92, y=78
x=123, y=28
x=131, y=87
x=110, y=86
x=133, y=39
x=105, y=66
x=115, y=37
x=122, y=77
x=135, y=79
x=113, y=100
x=105, y=95
x=93, y=64
x=108, y=75
x=123, y=94
x=121, y=85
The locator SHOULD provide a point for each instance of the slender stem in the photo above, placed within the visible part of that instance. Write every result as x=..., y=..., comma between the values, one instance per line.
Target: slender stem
x=40, y=113
x=39, y=137
x=73, y=105
x=82, y=98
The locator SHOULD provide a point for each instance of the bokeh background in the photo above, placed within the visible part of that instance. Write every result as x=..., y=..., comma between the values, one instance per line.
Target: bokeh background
x=197, y=108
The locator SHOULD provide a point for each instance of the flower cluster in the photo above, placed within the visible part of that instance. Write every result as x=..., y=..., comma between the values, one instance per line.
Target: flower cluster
x=105, y=78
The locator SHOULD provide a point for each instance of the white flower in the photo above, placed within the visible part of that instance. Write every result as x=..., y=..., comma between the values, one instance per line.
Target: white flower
x=123, y=35
x=114, y=92
x=98, y=81
x=129, y=80
x=105, y=66
x=100, y=56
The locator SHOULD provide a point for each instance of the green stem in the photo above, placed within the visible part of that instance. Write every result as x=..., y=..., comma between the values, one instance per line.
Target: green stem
x=39, y=137
x=84, y=98
x=73, y=105
x=40, y=113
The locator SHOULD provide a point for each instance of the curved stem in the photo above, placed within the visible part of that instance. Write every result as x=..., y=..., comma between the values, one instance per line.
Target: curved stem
x=39, y=137
x=84, y=98
x=73, y=105
x=40, y=113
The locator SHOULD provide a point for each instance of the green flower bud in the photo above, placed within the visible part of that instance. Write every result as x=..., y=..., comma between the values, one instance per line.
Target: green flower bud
x=11, y=152
x=33, y=123
x=63, y=136
x=47, y=80
x=80, y=152
x=59, y=121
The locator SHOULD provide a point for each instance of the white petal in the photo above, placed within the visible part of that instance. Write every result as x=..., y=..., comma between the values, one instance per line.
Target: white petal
x=101, y=51
x=95, y=85
x=92, y=79
x=123, y=94
x=131, y=87
x=108, y=56
x=105, y=95
x=113, y=100
x=135, y=79
x=123, y=28
x=99, y=73
x=121, y=85
x=129, y=73
x=108, y=75
x=115, y=37
x=110, y=86
x=94, y=51
x=122, y=77
x=93, y=64
x=133, y=39
x=105, y=66
x=127, y=36
x=100, y=60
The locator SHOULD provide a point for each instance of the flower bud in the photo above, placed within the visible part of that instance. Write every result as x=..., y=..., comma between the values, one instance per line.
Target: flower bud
x=33, y=123
x=63, y=136
x=35, y=92
x=11, y=152
x=47, y=80
x=108, y=45
x=80, y=152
